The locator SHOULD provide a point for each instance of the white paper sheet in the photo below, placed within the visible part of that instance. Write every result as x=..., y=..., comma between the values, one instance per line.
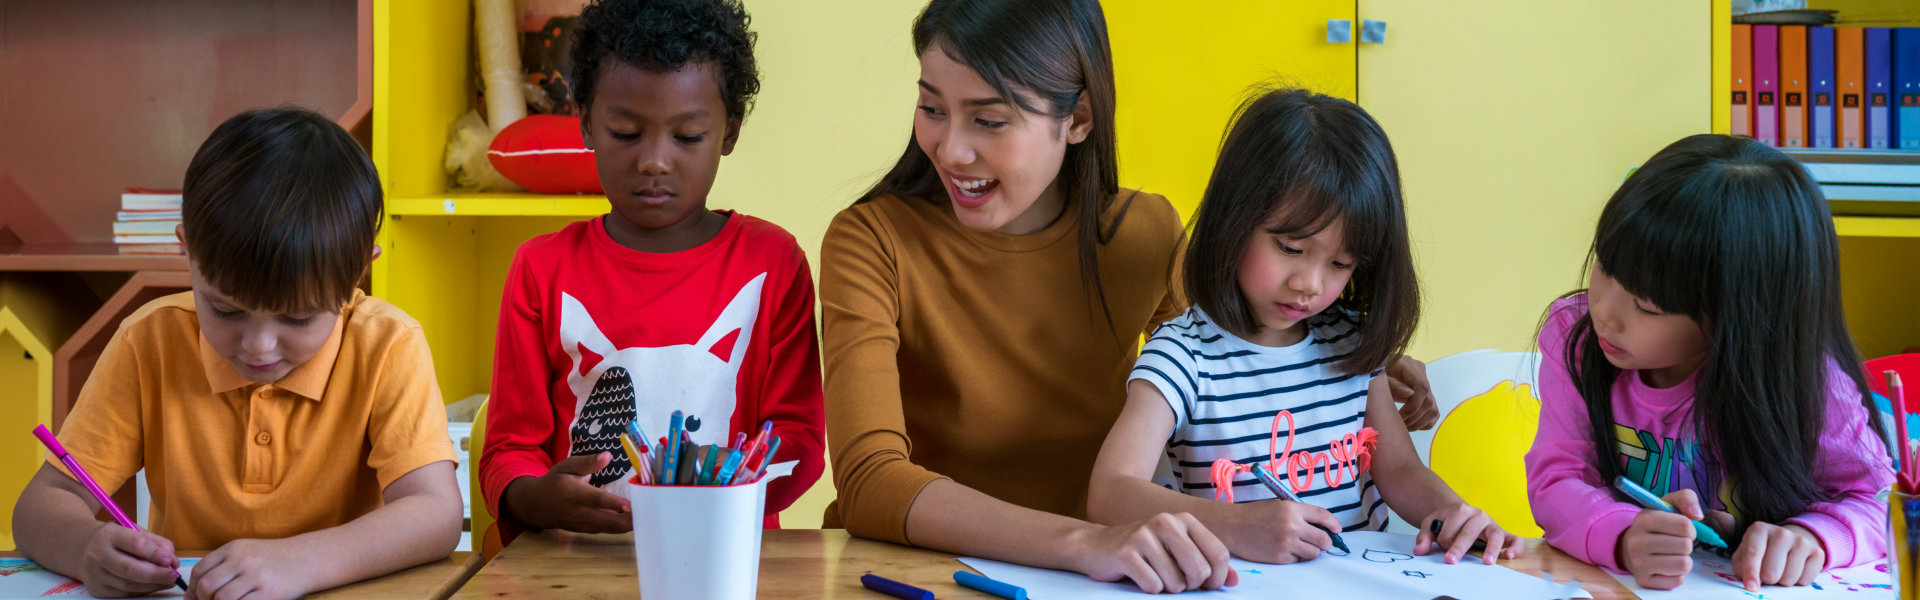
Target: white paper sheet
x=1712, y=578
x=22, y=578
x=1381, y=565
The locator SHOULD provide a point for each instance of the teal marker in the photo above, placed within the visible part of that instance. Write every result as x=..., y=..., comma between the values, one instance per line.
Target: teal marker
x=1647, y=499
x=669, y=470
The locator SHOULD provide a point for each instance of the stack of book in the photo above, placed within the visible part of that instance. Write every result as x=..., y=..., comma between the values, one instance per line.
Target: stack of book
x=146, y=222
x=1827, y=87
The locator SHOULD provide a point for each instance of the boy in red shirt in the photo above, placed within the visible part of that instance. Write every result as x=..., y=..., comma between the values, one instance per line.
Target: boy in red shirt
x=661, y=304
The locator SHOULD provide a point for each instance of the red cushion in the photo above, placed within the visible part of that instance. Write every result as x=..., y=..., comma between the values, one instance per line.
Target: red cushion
x=543, y=153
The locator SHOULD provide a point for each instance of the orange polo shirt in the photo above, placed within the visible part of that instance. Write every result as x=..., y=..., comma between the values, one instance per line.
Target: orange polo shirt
x=227, y=458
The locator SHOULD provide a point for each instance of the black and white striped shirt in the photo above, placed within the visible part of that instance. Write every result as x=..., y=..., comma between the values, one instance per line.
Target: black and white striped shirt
x=1226, y=391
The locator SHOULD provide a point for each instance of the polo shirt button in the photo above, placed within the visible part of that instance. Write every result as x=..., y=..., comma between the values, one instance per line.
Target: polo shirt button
x=263, y=438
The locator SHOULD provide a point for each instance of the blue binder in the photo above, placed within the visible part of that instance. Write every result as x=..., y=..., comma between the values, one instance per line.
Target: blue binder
x=1820, y=85
x=1880, y=125
x=1906, y=83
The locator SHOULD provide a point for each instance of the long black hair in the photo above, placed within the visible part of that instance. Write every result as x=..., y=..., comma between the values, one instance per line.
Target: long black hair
x=1308, y=159
x=1736, y=236
x=1054, y=49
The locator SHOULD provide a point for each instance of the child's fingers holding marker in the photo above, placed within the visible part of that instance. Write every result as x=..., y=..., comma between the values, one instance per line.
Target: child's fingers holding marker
x=1687, y=503
x=126, y=562
x=1463, y=538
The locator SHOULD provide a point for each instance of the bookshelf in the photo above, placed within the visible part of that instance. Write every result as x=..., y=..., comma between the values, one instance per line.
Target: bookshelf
x=119, y=93
x=1874, y=196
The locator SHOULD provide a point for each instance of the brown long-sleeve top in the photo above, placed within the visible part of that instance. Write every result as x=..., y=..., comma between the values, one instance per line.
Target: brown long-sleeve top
x=980, y=357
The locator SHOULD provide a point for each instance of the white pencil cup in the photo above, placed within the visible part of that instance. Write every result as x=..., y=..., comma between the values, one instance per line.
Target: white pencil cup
x=699, y=542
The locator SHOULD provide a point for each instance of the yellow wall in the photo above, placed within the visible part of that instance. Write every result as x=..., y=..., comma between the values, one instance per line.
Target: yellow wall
x=1181, y=68
x=1513, y=123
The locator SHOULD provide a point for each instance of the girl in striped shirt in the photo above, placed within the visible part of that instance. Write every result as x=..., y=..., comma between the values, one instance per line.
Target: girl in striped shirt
x=1303, y=290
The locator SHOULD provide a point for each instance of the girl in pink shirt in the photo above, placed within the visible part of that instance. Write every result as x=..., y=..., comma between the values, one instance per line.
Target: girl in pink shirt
x=1708, y=361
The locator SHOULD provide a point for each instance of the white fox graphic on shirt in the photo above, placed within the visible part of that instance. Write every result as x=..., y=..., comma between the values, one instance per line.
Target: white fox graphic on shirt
x=648, y=384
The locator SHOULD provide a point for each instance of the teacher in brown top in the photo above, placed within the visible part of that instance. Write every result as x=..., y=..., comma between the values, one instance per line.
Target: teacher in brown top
x=984, y=302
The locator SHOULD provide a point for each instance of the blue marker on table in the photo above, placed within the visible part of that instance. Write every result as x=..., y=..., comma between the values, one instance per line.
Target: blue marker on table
x=894, y=588
x=997, y=588
x=1273, y=483
x=671, y=467
x=1647, y=499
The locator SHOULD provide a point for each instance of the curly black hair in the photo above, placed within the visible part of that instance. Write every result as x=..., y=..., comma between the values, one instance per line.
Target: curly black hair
x=665, y=35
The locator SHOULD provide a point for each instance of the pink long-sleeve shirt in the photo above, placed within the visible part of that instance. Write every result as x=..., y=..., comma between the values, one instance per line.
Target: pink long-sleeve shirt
x=1584, y=517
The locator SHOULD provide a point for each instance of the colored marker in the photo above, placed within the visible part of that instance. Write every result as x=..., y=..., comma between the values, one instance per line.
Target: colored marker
x=894, y=588
x=1647, y=499
x=73, y=466
x=725, y=475
x=766, y=458
x=1273, y=483
x=689, y=464
x=759, y=443
x=739, y=441
x=634, y=458
x=633, y=431
x=712, y=465
x=669, y=471
x=997, y=588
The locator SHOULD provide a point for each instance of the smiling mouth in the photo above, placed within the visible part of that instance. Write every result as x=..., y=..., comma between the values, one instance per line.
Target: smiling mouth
x=974, y=188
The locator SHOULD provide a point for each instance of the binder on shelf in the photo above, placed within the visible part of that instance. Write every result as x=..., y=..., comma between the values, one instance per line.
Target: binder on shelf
x=1850, y=84
x=1906, y=79
x=1766, y=84
x=1820, y=103
x=1741, y=119
x=1793, y=86
x=1879, y=51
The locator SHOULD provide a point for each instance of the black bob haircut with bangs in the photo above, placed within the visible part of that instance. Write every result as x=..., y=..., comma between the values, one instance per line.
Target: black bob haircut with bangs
x=1736, y=236
x=279, y=211
x=1294, y=162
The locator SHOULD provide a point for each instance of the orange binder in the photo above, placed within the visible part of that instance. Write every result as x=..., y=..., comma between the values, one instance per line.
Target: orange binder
x=1742, y=116
x=1850, y=84
x=1793, y=86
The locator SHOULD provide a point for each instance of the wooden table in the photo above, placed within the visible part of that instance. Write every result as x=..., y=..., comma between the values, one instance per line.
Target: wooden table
x=818, y=563
x=435, y=580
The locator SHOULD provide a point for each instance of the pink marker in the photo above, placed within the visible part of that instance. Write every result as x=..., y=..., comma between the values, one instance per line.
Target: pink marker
x=73, y=466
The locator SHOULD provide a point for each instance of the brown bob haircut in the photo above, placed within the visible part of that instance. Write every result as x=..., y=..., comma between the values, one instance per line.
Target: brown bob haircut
x=280, y=210
x=1292, y=163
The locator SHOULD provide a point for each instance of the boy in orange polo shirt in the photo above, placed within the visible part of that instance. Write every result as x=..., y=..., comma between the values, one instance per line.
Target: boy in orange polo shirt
x=288, y=424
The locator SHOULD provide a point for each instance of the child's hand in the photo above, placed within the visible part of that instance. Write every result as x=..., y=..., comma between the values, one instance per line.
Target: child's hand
x=562, y=499
x=1280, y=532
x=1407, y=380
x=1166, y=553
x=121, y=562
x=253, y=569
x=1658, y=547
x=1774, y=555
x=1460, y=527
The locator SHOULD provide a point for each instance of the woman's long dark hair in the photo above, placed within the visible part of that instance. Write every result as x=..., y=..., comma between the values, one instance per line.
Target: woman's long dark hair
x=1057, y=50
x=1736, y=236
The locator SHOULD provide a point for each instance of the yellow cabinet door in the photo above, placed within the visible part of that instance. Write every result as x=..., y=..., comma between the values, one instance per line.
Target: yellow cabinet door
x=1181, y=68
x=1513, y=123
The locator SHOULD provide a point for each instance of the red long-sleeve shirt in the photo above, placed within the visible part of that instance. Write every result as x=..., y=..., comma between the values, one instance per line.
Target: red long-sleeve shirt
x=594, y=334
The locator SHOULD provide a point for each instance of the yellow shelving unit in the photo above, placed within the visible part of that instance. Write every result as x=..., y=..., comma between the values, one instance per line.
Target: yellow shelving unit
x=38, y=312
